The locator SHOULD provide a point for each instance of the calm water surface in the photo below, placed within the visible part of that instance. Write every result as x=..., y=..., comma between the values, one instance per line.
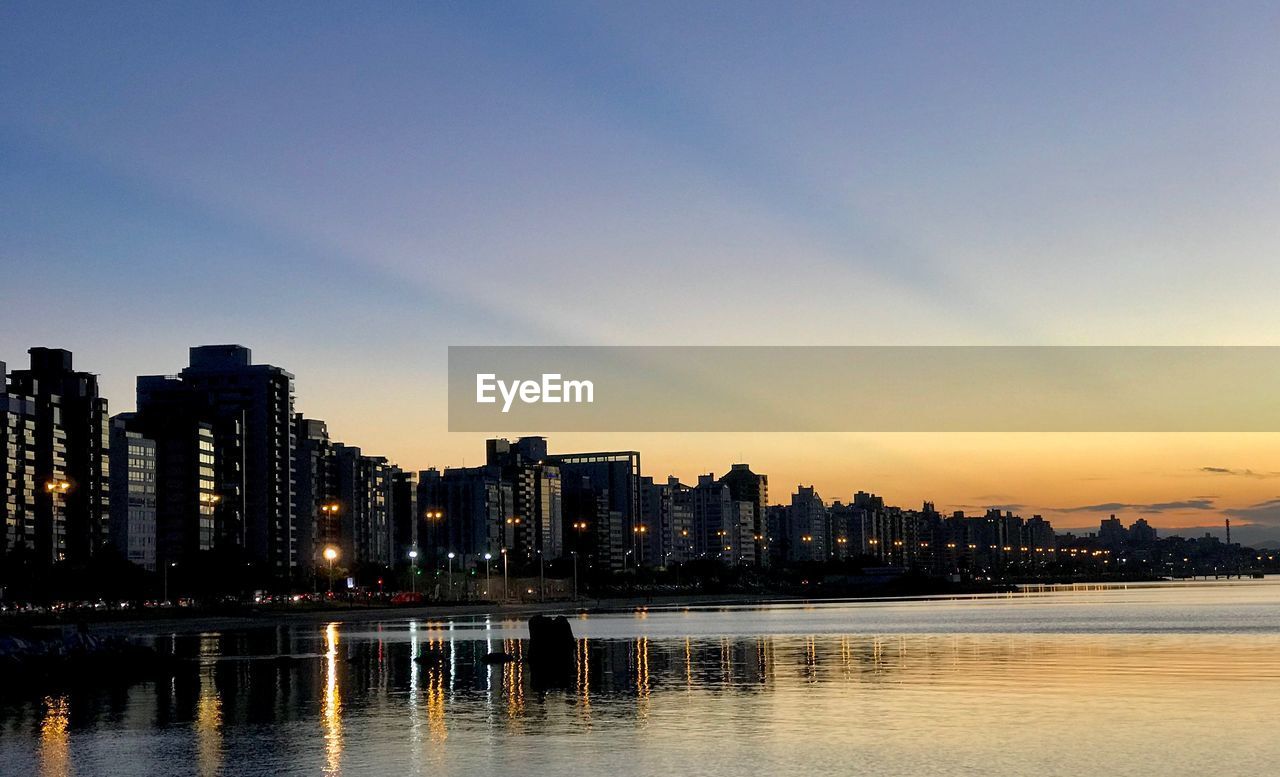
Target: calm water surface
x=1164, y=679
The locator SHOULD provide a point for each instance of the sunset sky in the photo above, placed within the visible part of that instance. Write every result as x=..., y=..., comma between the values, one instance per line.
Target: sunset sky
x=348, y=193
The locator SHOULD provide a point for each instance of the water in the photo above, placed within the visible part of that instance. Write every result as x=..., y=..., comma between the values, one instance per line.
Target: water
x=1167, y=679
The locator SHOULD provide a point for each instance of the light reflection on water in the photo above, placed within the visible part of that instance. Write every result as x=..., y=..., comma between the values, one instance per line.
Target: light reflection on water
x=1171, y=679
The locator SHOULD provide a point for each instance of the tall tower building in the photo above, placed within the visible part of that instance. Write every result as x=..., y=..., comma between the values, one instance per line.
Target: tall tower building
x=537, y=523
x=317, y=516
x=253, y=403
x=199, y=499
x=807, y=525
x=18, y=485
x=405, y=515
x=133, y=493
x=746, y=486
x=365, y=505
x=224, y=430
x=71, y=456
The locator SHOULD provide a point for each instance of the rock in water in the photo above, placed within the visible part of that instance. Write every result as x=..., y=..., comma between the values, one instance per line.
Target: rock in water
x=552, y=651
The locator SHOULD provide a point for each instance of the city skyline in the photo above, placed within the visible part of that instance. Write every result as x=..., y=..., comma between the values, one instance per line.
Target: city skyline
x=1191, y=513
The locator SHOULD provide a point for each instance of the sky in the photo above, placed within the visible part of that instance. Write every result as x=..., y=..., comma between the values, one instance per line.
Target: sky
x=350, y=188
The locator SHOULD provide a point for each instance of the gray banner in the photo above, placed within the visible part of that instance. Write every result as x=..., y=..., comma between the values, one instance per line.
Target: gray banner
x=537, y=389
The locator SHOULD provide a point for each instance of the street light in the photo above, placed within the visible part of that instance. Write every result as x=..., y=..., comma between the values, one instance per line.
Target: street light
x=330, y=553
x=166, y=578
x=504, y=574
x=413, y=571
x=487, y=558
x=450, y=574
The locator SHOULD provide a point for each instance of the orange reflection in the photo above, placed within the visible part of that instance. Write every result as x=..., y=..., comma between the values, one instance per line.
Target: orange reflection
x=332, y=711
x=583, y=661
x=55, y=737
x=208, y=726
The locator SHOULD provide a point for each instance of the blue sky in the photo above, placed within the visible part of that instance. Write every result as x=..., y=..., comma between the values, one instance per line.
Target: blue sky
x=350, y=188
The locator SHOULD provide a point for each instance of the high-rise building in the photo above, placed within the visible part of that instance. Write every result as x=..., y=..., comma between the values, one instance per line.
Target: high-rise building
x=405, y=515
x=466, y=511
x=807, y=525
x=199, y=474
x=317, y=519
x=753, y=489
x=252, y=405
x=1112, y=534
x=615, y=475
x=133, y=493
x=1141, y=533
x=537, y=523
x=364, y=505
x=71, y=456
x=18, y=483
x=657, y=519
x=845, y=530
x=717, y=522
x=595, y=531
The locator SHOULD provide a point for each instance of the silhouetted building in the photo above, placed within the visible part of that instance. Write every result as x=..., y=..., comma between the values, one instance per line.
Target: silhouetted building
x=1141, y=533
x=467, y=511
x=658, y=517
x=616, y=476
x=1112, y=534
x=723, y=527
x=252, y=404
x=20, y=487
x=753, y=489
x=71, y=456
x=1039, y=534
x=317, y=517
x=537, y=524
x=807, y=525
x=364, y=500
x=405, y=515
x=133, y=493
x=844, y=526
x=199, y=497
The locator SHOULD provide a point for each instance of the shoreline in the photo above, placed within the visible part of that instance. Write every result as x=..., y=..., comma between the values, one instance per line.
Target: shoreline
x=198, y=622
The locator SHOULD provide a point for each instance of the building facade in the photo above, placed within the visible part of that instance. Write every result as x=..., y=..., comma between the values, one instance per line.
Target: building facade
x=69, y=450
x=133, y=494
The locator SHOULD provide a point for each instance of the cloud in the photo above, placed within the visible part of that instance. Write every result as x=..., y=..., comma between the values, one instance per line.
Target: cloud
x=1266, y=513
x=1010, y=507
x=1154, y=507
x=1240, y=473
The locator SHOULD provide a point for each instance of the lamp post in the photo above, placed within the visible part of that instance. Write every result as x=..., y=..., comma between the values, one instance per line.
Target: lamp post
x=451, y=575
x=330, y=553
x=575, y=574
x=167, y=566
x=487, y=558
x=329, y=512
x=541, y=578
x=413, y=571
x=504, y=574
